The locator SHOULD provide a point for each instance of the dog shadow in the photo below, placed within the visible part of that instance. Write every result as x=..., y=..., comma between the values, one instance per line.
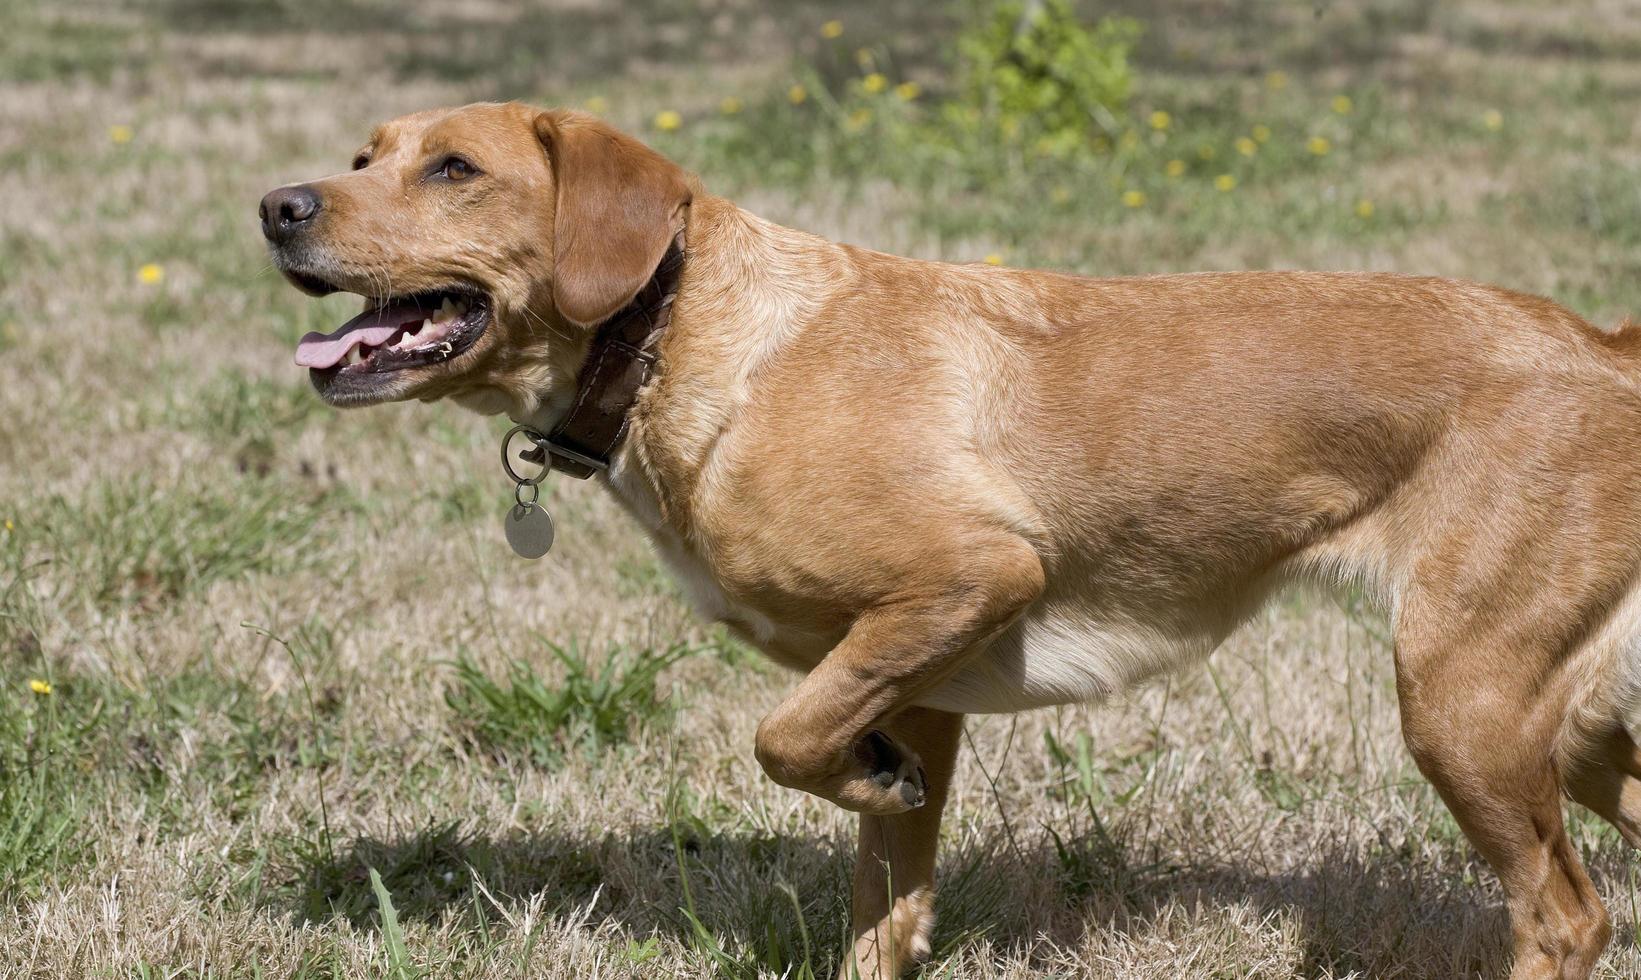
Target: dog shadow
x=780, y=900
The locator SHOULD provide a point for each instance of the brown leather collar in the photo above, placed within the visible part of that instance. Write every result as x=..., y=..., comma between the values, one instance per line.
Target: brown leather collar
x=619, y=362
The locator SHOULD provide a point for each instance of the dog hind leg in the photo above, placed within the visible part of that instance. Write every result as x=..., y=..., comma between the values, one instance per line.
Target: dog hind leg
x=1606, y=778
x=1484, y=738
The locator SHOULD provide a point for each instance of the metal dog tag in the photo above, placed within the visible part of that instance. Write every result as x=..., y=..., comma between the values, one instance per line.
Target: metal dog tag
x=529, y=530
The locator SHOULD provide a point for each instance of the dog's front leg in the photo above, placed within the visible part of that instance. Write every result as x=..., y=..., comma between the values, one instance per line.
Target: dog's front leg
x=894, y=873
x=831, y=736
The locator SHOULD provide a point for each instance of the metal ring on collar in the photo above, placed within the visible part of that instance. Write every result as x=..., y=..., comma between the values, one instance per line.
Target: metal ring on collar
x=507, y=460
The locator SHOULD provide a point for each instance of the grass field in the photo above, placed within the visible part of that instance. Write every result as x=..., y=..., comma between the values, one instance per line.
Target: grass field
x=276, y=700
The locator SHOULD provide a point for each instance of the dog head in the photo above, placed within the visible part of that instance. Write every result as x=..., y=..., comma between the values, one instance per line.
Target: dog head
x=487, y=241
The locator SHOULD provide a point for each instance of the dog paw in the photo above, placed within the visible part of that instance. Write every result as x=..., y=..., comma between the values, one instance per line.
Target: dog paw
x=895, y=773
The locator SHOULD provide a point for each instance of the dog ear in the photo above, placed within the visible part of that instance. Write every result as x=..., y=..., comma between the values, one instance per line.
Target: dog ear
x=618, y=206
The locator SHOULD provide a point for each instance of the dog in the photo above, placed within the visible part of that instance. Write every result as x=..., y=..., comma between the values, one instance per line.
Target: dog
x=937, y=489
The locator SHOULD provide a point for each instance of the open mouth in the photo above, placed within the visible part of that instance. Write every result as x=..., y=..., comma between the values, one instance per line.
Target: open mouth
x=402, y=332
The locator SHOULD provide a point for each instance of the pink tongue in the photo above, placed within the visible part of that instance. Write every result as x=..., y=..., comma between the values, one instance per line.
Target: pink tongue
x=372, y=327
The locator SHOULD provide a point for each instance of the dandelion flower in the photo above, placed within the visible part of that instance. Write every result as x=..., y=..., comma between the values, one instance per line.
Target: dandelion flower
x=1318, y=145
x=150, y=273
x=1261, y=133
x=1133, y=199
x=597, y=104
x=1207, y=152
x=730, y=105
x=858, y=119
x=1174, y=168
x=994, y=259
x=1129, y=139
x=797, y=94
x=1342, y=105
x=121, y=133
x=832, y=29
x=10, y=526
x=1493, y=119
x=666, y=120
x=1246, y=146
x=874, y=83
x=1364, y=208
x=1276, y=81
x=864, y=57
x=1225, y=182
x=39, y=686
x=1161, y=120
x=908, y=91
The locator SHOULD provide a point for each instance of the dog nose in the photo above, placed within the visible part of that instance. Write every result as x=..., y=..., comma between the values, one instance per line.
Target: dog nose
x=286, y=210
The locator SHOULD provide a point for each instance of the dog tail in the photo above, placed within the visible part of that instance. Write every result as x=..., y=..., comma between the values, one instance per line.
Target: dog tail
x=1624, y=339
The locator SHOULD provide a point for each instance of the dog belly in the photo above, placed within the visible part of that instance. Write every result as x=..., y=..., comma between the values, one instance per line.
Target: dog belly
x=1049, y=658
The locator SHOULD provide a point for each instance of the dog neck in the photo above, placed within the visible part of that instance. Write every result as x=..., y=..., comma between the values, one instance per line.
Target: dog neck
x=619, y=363
x=748, y=290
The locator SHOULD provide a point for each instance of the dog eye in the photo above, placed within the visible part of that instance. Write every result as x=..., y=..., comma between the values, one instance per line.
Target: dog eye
x=456, y=168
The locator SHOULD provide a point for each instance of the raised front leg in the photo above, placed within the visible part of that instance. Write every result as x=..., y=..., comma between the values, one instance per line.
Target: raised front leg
x=832, y=737
x=894, y=874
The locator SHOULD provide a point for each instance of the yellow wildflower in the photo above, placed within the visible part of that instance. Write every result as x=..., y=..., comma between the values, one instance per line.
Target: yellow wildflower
x=832, y=29
x=858, y=119
x=994, y=259
x=39, y=686
x=1276, y=81
x=797, y=94
x=1318, y=145
x=1261, y=133
x=666, y=120
x=1246, y=146
x=121, y=133
x=1364, y=208
x=1342, y=105
x=10, y=526
x=597, y=104
x=150, y=273
x=1493, y=119
x=1133, y=199
x=729, y=105
x=1225, y=182
x=1161, y=120
x=1129, y=139
x=1174, y=168
x=874, y=83
x=1207, y=152
x=864, y=57
x=908, y=91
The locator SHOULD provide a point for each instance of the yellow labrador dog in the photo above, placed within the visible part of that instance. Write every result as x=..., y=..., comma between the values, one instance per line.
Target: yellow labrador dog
x=938, y=489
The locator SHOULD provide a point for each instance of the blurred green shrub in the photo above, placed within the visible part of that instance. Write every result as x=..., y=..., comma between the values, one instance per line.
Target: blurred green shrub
x=1036, y=72
x=1041, y=130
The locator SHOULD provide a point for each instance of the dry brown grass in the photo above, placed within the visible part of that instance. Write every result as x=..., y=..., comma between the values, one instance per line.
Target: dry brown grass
x=1259, y=819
